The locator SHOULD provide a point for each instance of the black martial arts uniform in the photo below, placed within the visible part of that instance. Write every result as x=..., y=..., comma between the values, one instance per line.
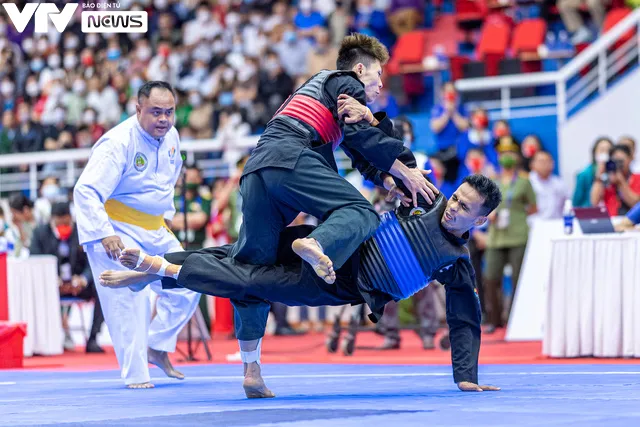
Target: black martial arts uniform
x=366, y=277
x=286, y=174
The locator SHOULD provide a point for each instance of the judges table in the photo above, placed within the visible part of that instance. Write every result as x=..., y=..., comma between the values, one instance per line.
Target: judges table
x=34, y=298
x=593, y=296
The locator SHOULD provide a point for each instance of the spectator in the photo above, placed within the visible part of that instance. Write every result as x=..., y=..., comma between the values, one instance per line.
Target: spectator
x=339, y=22
x=478, y=136
x=30, y=135
x=448, y=122
x=50, y=193
x=60, y=239
x=308, y=20
x=274, y=87
x=322, y=56
x=476, y=162
x=584, y=180
x=405, y=15
x=551, y=192
x=386, y=102
x=615, y=186
x=200, y=116
x=404, y=129
x=631, y=143
x=508, y=231
x=198, y=199
x=501, y=128
x=530, y=146
x=570, y=14
x=7, y=133
x=373, y=22
x=293, y=51
x=23, y=223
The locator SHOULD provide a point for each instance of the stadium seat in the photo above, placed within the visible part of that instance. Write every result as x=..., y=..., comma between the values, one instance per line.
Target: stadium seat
x=613, y=17
x=528, y=36
x=494, y=39
x=409, y=48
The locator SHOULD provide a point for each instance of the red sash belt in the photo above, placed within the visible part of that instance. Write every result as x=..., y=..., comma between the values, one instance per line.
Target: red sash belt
x=316, y=115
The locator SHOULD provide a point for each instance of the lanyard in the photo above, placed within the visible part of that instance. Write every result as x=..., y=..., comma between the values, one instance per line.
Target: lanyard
x=510, y=190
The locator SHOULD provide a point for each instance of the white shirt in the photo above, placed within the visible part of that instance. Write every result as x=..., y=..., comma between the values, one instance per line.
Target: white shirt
x=550, y=196
x=130, y=166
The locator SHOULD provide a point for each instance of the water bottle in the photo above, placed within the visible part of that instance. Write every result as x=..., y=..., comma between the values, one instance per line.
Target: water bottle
x=568, y=216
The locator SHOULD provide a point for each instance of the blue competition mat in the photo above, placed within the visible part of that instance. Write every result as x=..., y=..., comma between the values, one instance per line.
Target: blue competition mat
x=329, y=395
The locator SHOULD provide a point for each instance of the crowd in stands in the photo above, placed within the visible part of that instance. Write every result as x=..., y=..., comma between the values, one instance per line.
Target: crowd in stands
x=233, y=63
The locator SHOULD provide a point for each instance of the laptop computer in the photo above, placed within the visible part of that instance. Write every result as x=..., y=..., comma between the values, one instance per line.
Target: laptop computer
x=594, y=220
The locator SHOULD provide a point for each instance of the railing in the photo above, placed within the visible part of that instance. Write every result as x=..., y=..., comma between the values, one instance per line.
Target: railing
x=590, y=73
x=67, y=165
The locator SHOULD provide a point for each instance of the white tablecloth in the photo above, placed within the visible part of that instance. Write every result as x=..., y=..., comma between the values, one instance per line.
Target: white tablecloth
x=34, y=298
x=593, y=306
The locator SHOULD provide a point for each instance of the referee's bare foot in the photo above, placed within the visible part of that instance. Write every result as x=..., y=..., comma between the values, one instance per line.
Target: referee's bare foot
x=253, y=384
x=121, y=279
x=161, y=360
x=310, y=251
x=141, y=385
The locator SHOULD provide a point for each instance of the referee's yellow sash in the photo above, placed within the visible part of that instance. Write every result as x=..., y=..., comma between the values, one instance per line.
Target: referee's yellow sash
x=120, y=212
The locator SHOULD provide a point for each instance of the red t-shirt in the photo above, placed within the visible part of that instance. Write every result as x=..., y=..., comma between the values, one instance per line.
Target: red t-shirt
x=612, y=200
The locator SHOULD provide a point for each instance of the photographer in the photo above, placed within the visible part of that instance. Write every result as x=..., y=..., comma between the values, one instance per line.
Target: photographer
x=615, y=185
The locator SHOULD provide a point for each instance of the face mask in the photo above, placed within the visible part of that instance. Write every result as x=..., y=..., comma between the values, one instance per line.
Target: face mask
x=89, y=117
x=507, y=162
x=56, y=90
x=192, y=186
x=501, y=131
x=305, y=7
x=136, y=84
x=480, y=122
x=365, y=10
x=71, y=43
x=289, y=36
x=92, y=40
x=70, y=62
x=255, y=20
x=232, y=20
x=50, y=192
x=450, y=96
x=143, y=54
x=161, y=4
x=113, y=54
x=602, y=158
x=202, y=16
x=42, y=45
x=37, y=65
x=6, y=88
x=164, y=51
x=476, y=164
x=32, y=89
x=228, y=75
x=195, y=100
x=529, y=150
x=407, y=139
x=23, y=118
x=54, y=61
x=226, y=99
x=79, y=86
x=271, y=65
x=58, y=116
x=64, y=231
x=28, y=46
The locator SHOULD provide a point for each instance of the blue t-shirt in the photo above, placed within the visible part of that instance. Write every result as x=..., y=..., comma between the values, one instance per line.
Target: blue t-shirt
x=450, y=134
x=634, y=214
x=303, y=22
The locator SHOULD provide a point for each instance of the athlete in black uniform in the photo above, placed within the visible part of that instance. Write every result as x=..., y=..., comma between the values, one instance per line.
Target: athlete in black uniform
x=404, y=255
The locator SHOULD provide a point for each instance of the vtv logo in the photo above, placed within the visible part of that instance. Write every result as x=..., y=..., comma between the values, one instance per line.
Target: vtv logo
x=42, y=11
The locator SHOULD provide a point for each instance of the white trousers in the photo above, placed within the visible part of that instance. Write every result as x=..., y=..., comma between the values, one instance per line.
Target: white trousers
x=127, y=313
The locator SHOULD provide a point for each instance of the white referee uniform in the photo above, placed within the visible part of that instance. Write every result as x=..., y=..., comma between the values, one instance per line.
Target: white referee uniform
x=127, y=189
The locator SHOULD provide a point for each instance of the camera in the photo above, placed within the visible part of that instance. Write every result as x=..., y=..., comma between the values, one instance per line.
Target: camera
x=611, y=166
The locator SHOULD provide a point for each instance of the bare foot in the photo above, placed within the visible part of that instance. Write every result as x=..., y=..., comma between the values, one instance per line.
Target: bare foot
x=149, y=264
x=121, y=279
x=309, y=250
x=161, y=360
x=141, y=385
x=253, y=384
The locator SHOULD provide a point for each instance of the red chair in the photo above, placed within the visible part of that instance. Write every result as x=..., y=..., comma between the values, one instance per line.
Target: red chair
x=528, y=36
x=409, y=49
x=494, y=42
x=613, y=17
x=469, y=16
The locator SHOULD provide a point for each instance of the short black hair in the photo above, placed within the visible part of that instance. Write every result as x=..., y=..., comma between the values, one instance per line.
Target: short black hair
x=359, y=48
x=488, y=189
x=620, y=147
x=19, y=201
x=145, y=90
x=60, y=209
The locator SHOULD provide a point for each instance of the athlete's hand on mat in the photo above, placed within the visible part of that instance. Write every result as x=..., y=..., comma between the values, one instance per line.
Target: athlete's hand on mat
x=469, y=386
x=114, y=246
x=416, y=183
x=354, y=111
